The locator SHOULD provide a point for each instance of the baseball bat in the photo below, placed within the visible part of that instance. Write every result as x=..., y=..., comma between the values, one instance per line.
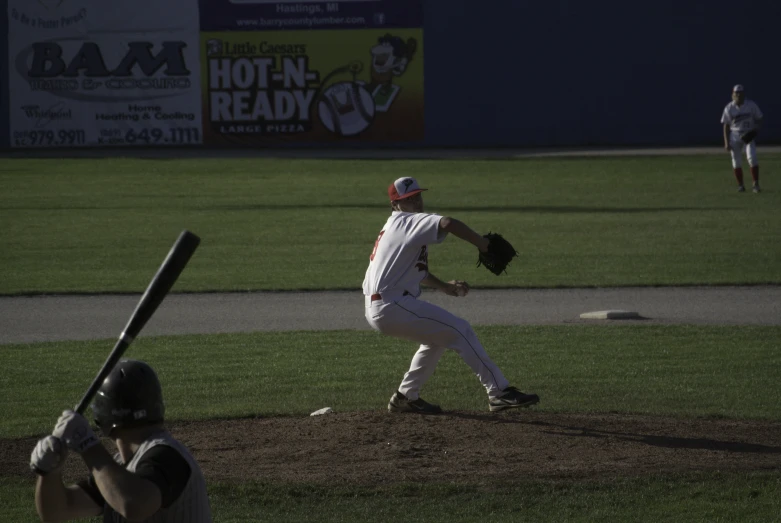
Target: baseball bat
x=158, y=288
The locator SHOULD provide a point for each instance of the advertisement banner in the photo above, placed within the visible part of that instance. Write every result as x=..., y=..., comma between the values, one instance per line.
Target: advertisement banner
x=358, y=77
x=276, y=15
x=97, y=73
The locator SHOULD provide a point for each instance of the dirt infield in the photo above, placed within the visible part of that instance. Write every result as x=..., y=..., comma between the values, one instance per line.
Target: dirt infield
x=380, y=449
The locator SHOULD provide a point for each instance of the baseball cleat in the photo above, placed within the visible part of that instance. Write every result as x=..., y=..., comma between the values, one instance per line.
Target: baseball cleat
x=755, y=188
x=741, y=188
x=512, y=399
x=400, y=403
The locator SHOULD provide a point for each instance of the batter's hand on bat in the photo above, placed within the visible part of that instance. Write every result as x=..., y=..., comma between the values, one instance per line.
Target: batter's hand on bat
x=457, y=288
x=48, y=455
x=74, y=430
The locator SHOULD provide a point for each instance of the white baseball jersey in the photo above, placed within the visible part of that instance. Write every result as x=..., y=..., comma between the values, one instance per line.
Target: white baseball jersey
x=741, y=118
x=399, y=261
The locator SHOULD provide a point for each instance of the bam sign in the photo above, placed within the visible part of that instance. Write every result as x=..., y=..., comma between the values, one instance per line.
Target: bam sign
x=97, y=72
x=87, y=73
x=48, y=61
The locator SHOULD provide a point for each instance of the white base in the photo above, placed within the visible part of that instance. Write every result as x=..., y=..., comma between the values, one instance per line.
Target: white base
x=609, y=315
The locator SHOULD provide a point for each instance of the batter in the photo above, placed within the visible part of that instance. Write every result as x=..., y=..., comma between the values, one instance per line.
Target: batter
x=152, y=479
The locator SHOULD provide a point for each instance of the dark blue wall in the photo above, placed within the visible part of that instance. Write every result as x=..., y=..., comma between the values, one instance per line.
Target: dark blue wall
x=569, y=72
x=4, y=96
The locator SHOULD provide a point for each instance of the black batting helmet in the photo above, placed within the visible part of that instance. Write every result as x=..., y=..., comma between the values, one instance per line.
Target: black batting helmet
x=130, y=396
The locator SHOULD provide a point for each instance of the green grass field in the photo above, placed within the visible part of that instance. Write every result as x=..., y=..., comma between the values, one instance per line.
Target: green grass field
x=663, y=370
x=718, y=498
x=100, y=225
x=103, y=225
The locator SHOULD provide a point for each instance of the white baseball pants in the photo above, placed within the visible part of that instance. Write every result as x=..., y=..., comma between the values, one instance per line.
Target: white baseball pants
x=737, y=147
x=436, y=330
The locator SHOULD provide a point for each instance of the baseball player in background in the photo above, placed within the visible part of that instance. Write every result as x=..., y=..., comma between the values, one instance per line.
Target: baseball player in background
x=398, y=266
x=153, y=478
x=742, y=119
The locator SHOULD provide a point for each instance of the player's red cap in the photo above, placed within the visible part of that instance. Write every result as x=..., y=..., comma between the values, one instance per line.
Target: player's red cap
x=404, y=188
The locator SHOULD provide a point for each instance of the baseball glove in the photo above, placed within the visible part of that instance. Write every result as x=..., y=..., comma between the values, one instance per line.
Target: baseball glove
x=748, y=136
x=499, y=254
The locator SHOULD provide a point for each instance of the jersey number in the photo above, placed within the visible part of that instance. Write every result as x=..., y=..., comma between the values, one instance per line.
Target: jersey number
x=376, y=242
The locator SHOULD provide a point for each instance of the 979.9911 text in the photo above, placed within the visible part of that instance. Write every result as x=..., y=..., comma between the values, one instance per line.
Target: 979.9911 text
x=49, y=137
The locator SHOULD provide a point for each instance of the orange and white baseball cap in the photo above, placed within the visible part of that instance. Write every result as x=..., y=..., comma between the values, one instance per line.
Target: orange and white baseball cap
x=404, y=188
x=737, y=89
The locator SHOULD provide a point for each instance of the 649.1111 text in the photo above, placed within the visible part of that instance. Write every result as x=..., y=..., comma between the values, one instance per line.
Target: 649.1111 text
x=150, y=136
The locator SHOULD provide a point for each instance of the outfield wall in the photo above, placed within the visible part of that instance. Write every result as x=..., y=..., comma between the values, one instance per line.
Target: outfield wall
x=444, y=73
x=4, y=140
x=609, y=72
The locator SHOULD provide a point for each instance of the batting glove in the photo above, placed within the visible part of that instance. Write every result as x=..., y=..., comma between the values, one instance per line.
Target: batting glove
x=74, y=430
x=49, y=454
